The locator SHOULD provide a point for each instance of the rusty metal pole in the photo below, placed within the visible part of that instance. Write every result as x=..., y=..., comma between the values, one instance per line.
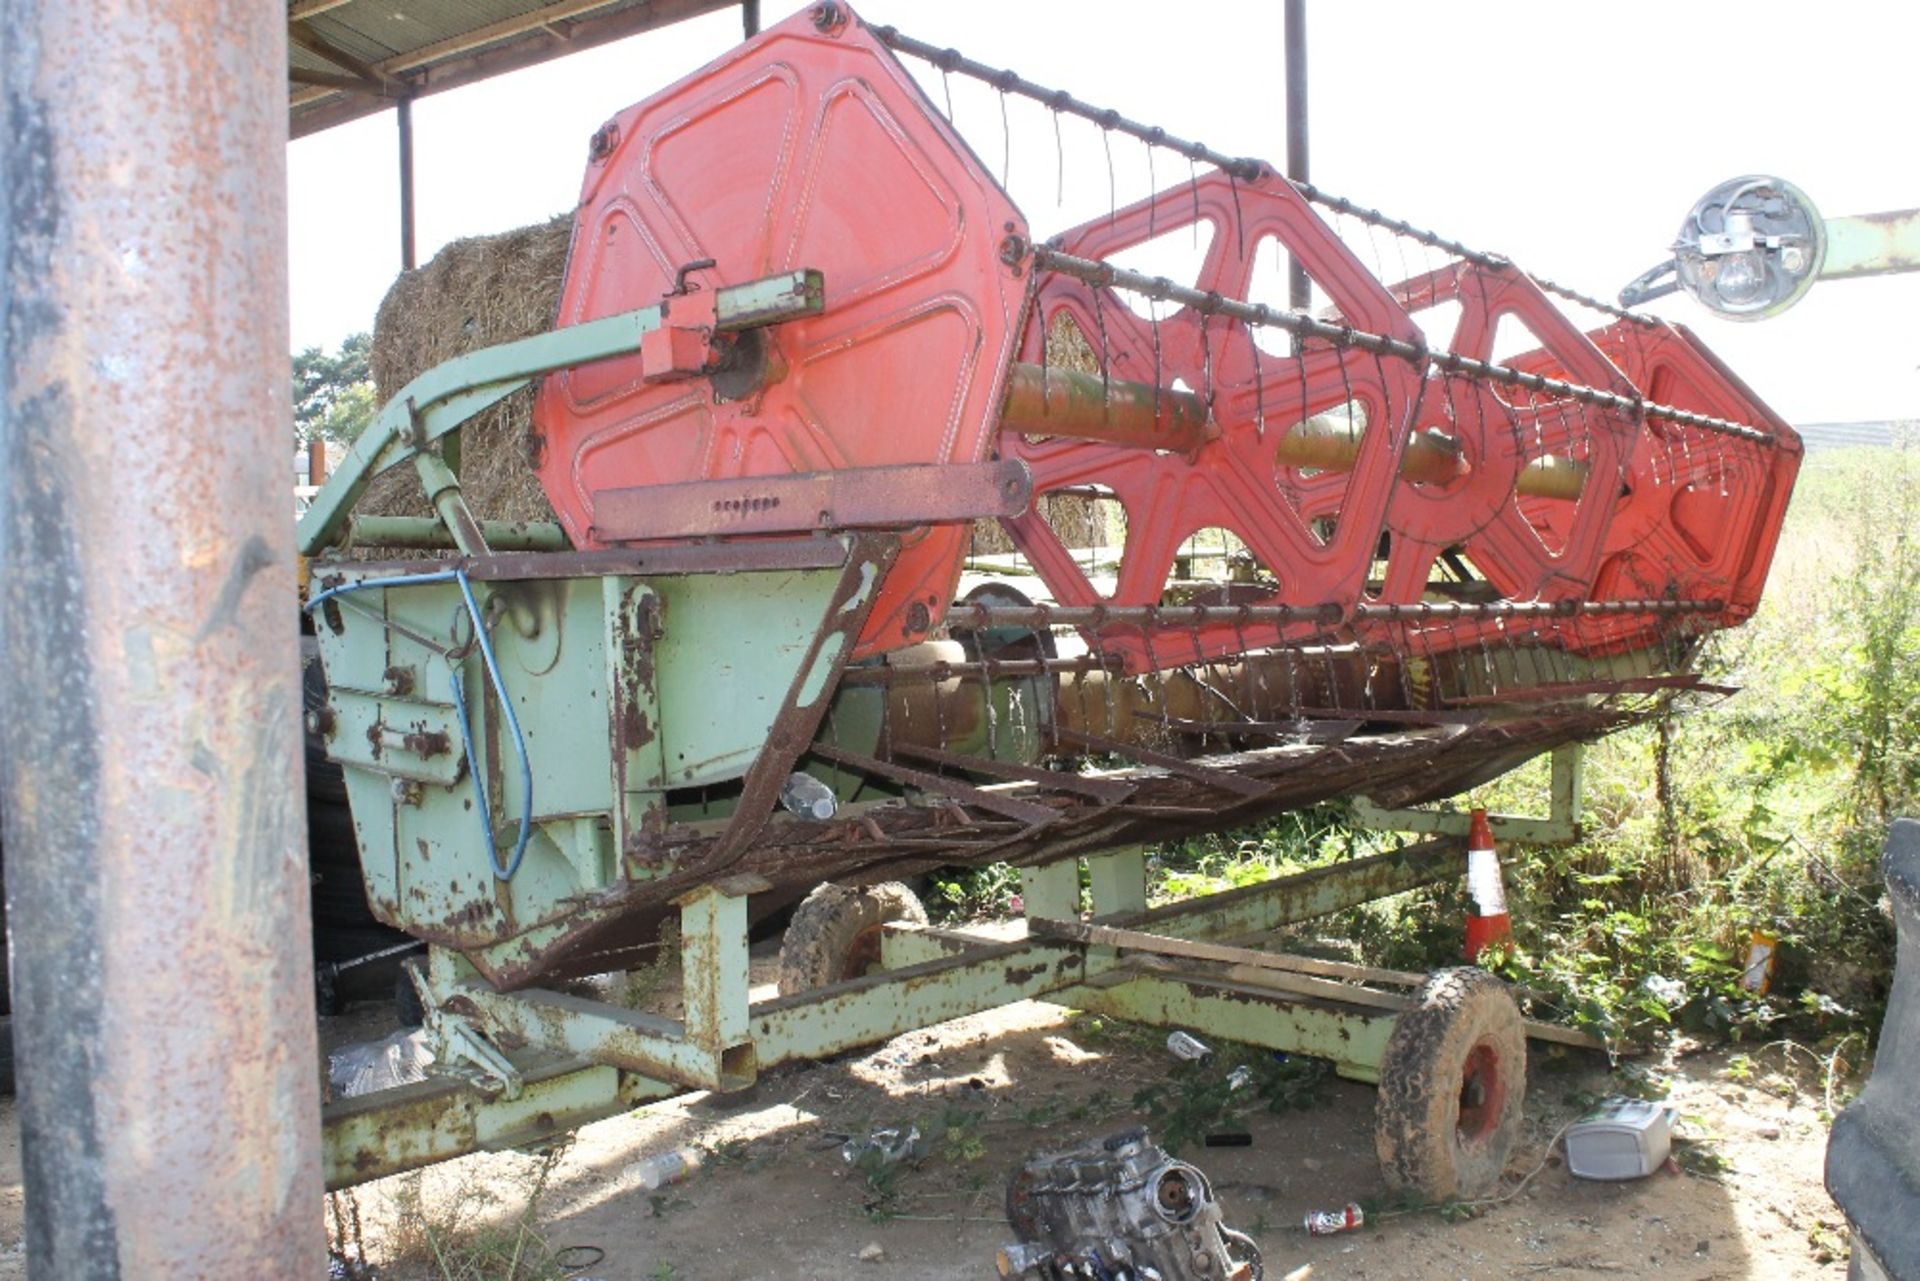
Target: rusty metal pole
x=155, y=860
x=1299, y=287
x=403, y=114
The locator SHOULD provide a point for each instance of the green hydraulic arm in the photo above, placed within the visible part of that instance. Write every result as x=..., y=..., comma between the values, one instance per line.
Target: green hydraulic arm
x=440, y=400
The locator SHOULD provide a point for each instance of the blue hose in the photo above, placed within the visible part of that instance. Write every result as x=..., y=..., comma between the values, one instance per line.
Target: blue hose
x=506, y=872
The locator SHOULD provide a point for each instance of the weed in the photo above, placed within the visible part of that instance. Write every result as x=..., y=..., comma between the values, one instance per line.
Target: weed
x=1827, y=1244
x=972, y=894
x=960, y=1140
x=661, y=1204
x=1701, y=1158
x=463, y=1236
x=733, y=1153
x=1199, y=1099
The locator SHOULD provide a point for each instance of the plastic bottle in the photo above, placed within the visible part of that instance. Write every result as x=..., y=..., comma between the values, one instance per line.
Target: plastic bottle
x=808, y=797
x=656, y=1172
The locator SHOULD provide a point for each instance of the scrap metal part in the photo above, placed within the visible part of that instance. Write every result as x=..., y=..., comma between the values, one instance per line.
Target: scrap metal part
x=1121, y=1208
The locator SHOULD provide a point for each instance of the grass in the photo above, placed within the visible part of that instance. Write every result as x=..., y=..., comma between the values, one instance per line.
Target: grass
x=475, y=1232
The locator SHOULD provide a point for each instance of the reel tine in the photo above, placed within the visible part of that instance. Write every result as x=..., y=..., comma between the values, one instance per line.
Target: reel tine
x=1153, y=191
x=1059, y=164
x=1193, y=185
x=1239, y=221
x=1258, y=360
x=1006, y=143
x=1113, y=191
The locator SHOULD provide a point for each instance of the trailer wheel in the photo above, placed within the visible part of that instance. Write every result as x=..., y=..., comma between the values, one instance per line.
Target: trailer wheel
x=408, y=1009
x=836, y=930
x=1452, y=1085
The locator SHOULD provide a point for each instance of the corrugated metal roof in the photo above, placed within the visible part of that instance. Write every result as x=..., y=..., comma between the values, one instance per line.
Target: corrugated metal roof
x=350, y=58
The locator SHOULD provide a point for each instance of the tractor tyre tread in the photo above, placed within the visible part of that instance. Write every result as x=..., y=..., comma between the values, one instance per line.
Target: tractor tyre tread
x=1416, y=1114
x=828, y=923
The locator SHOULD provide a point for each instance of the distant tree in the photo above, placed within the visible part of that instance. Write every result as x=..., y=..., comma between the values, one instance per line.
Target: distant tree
x=333, y=396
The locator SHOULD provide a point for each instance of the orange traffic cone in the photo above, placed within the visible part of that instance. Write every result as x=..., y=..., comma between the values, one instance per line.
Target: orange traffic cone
x=1488, y=924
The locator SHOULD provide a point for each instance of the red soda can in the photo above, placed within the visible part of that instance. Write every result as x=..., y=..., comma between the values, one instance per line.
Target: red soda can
x=1325, y=1223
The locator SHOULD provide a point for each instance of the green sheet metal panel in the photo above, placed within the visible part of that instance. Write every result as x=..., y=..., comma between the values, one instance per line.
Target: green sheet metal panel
x=622, y=689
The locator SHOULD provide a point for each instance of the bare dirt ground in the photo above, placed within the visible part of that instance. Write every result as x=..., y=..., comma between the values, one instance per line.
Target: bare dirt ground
x=775, y=1200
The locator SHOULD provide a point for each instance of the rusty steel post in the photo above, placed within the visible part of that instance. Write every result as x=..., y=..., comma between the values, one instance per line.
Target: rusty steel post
x=154, y=846
x=403, y=114
x=1299, y=287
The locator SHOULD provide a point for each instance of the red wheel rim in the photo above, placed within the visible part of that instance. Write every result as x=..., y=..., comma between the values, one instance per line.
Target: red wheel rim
x=863, y=954
x=1483, y=1093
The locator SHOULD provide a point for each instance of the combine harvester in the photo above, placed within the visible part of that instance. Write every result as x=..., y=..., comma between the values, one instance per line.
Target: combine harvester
x=802, y=349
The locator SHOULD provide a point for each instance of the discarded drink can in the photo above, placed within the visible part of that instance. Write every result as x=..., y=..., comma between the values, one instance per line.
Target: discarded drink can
x=1188, y=1048
x=1325, y=1223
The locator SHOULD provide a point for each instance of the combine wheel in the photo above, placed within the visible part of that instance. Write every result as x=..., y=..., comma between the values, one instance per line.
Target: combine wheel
x=835, y=934
x=1451, y=1088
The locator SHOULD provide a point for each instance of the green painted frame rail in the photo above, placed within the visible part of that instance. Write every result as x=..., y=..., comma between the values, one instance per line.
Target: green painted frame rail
x=576, y=1060
x=1566, y=793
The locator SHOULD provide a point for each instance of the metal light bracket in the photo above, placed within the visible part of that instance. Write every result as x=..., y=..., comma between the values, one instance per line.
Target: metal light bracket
x=1566, y=790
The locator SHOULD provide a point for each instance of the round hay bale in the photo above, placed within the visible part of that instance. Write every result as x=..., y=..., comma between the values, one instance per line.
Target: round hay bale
x=474, y=293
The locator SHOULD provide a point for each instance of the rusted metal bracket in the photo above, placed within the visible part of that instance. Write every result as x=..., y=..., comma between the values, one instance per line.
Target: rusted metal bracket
x=806, y=702
x=854, y=498
x=1300, y=731
x=1225, y=780
x=952, y=788
x=1111, y=791
x=1561, y=827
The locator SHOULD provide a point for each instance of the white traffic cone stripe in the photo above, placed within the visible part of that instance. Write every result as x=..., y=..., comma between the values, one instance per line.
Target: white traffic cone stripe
x=1484, y=884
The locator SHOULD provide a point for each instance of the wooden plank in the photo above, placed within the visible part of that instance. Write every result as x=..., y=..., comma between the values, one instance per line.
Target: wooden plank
x=1297, y=974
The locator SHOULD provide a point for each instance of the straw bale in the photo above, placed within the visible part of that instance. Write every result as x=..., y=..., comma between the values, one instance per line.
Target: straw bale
x=475, y=293
x=1078, y=521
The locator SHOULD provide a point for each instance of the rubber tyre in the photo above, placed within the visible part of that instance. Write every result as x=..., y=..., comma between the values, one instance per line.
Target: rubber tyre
x=1453, y=1083
x=325, y=780
x=835, y=934
x=408, y=1010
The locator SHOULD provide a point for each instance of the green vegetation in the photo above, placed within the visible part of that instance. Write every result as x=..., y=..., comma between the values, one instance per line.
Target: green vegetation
x=333, y=396
x=1763, y=812
x=1198, y=1099
x=476, y=1232
x=1776, y=807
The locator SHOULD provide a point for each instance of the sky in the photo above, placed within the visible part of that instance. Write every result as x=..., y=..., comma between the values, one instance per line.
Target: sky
x=1571, y=137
